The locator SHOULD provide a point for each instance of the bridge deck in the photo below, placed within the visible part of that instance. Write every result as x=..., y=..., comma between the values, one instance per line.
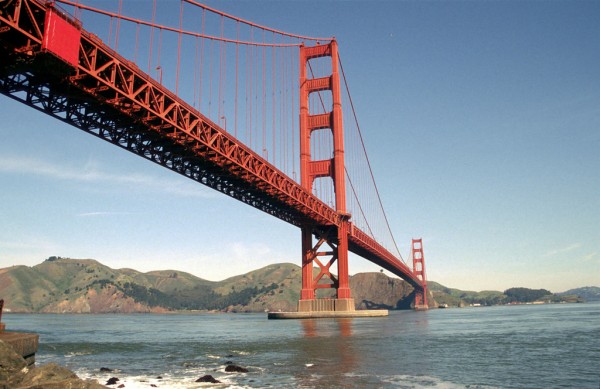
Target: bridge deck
x=108, y=96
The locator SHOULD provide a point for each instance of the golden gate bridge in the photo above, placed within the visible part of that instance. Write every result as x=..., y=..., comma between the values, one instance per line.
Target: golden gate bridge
x=261, y=115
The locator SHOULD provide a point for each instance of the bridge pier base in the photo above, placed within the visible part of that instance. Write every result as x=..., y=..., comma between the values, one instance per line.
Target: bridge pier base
x=327, y=308
x=326, y=305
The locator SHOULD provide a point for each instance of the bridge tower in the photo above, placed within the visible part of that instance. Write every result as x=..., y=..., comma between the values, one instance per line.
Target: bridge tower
x=331, y=243
x=419, y=270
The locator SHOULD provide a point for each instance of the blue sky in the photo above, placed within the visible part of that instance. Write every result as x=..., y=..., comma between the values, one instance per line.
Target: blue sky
x=481, y=119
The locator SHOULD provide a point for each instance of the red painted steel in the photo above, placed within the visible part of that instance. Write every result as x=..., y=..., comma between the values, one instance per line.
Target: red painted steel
x=419, y=271
x=192, y=33
x=111, y=98
x=312, y=169
x=61, y=37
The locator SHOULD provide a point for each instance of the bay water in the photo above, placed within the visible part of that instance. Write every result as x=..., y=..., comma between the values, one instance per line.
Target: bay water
x=524, y=346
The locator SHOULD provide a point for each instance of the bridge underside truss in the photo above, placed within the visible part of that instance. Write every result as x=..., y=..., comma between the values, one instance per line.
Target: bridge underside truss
x=109, y=97
x=103, y=94
x=109, y=125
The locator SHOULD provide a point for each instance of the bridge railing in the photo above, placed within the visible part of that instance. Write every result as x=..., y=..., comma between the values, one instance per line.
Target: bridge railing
x=149, y=120
x=362, y=244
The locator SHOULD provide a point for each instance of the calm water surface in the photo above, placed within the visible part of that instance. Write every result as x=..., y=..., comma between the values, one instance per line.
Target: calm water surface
x=547, y=346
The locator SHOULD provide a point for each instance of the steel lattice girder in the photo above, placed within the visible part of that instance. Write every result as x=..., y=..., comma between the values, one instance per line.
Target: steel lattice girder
x=111, y=98
x=114, y=81
x=107, y=126
x=174, y=135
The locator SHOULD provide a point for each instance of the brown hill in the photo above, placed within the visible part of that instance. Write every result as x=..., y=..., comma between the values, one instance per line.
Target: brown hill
x=378, y=291
x=86, y=286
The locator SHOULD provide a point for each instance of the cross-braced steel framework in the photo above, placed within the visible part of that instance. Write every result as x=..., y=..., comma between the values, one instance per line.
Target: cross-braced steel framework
x=335, y=239
x=81, y=81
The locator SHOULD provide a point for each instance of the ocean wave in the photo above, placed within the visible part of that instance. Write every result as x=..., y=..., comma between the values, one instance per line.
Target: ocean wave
x=418, y=382
x=72, y=354
x=167, y=381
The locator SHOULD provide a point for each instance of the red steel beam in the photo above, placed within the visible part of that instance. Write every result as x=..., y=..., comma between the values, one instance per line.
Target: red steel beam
x=362, y=244
x=140, y=102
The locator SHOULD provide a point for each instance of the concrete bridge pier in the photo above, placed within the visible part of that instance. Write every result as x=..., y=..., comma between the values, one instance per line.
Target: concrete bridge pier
x=25, y=344
x=327, y=308
x=326, y=305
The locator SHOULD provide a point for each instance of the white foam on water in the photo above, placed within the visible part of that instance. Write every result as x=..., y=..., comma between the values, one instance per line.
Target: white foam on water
x=77, y=354
x=144, y=382
x=422, y=381
x=238, y=352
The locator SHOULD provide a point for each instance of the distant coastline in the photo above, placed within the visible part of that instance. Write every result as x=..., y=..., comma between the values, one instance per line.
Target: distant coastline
x=66, y=285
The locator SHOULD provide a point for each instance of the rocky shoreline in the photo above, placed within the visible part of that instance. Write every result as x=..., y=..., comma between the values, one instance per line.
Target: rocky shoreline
x=15, y=374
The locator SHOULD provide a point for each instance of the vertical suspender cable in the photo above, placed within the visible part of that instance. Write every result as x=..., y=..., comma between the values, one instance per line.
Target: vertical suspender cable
x=367, y=158
x=237, y=62
x=249, y=92
x=255, y=104
x=118, y=25
x=201, y=75
x=284, y=117
x=152, y=35
x=137, y=42
x=78, y=12
x=224, y=86
x=293, y=121
x=264, y=100
x=273, y=106
x=158, y=54
x=210, y=77
x=179, y=36
x=110, y=29
x=220, y=115
x=196, y=65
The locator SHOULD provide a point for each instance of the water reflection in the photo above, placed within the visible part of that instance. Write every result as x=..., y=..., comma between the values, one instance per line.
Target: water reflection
x=327, y=353
x=311, y=328
x=422, y=320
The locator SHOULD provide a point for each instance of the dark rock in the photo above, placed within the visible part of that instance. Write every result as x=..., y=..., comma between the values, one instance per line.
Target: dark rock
x=229, y=363
x=53, y=376
x=153, y=386
x=105, y=370
x=121, y=386
x=235, y=369
x=49, y=372
x=11, y=365
x=378, y=291
x=159, y=377
x=112, y=381
x=14, y=373
x=208, y=378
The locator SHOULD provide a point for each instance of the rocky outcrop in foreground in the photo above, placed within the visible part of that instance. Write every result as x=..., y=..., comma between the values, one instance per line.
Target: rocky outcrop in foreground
x=15, y=374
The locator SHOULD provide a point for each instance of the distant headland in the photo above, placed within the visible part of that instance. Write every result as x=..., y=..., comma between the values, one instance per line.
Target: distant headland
x=66, y=285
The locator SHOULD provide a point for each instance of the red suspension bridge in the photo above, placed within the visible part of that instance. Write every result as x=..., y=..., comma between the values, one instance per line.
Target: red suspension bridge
x=216, y=99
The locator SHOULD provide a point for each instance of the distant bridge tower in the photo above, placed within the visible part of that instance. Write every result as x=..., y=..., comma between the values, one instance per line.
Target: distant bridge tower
x=332, y=242
x=419, y=270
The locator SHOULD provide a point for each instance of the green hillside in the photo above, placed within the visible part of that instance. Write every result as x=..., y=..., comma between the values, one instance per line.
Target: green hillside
x=587, y=293
x=459, y=298
x=86, y=286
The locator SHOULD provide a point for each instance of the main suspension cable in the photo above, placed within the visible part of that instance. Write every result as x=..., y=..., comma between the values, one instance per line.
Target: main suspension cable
x=79, y=6
x=367, y=158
